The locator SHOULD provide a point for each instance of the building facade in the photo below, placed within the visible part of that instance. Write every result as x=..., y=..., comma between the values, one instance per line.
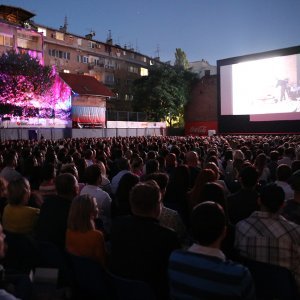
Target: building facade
x=115, y=66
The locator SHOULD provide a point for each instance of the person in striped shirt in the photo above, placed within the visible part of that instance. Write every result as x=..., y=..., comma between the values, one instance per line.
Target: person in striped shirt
x=202, y=271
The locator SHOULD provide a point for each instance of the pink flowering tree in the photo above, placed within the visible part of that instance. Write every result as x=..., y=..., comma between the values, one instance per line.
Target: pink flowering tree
x=24, y=83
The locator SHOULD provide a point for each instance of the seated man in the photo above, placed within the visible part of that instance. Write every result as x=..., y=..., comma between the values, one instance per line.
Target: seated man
x=268, y=237
x=202, y=271
x=140, y=247
x=52, y=222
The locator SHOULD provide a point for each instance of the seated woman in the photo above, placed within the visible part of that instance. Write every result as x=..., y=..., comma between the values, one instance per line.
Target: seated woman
x=18, y=217
x=82, y=239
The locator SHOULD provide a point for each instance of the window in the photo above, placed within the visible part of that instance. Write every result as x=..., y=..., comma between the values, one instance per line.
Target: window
x=59, y=54
x=144, y=72
x=79, y=42
x=133, y=69
x=59, y=36
x=6, y=40
x=109, y=78
x=43, y=31
x=83, y=59
x=91, y=45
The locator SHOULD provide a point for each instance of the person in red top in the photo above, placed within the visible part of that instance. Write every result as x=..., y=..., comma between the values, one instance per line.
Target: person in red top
x=82, y=238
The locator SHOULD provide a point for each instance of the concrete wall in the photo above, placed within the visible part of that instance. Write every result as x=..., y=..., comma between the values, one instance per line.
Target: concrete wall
x=61, y=133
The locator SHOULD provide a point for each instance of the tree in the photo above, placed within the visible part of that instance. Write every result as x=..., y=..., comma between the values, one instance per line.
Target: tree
x=181, y=60
x=163, y=93
x=23, y=80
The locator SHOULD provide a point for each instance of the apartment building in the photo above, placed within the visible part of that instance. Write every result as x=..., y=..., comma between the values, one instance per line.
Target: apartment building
x=17, y=33
x=115, y=66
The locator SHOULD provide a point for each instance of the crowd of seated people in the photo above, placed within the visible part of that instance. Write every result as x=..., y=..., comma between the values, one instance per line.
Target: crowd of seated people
x=128, y=203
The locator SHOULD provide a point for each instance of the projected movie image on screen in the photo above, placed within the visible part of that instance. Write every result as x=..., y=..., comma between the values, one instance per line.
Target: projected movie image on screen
x=269, y=86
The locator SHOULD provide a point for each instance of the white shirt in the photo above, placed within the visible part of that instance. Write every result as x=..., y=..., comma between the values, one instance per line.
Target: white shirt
x=116, y=179
x=196, y=248
x=288, y=191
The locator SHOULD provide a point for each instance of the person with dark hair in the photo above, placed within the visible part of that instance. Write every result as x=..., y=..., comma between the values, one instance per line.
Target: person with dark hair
x=202, y=271
x=273, y=164
x=242, y=203
x=9, y=171
x=283, y=174
x=123, y=167
x=193, y=163
x=120, y=205
x=168, y=218
x=48, y=174
x=52, y=222
x=268, y=237
x=140, y=247
x=291, y=209
x=93, y=181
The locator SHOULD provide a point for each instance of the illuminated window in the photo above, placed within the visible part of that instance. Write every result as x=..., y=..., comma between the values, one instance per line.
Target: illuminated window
x=59, y=36
x=43, y=31
x=144, y=72
x=6, y=40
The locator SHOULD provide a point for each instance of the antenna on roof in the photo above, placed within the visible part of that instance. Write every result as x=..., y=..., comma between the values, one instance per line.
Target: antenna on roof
x=91, y=34
x=65, y=27
x=157, y=52
x=109, y=39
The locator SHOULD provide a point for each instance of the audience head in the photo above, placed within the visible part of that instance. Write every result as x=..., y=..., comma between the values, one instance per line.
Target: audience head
x=145, y=199
x=213, y=192
x=11, y=159
x=82, y=213
x=93, y=175
x=3, y=187
x=126, y=183
x=248, y=177
x=192, y=159
x=283, y=172
x=69, y=168
x=161, y=179
x=18, y=191
x=208, y=223
x=271, y=198
x=66, y=185
x=123, y=164
x=295, y=181
x=48, y=171
x=152, y=166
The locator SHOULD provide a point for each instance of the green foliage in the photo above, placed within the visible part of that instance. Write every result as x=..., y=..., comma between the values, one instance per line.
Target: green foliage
x=23, y=77
x=181, y=60
x=163, y=93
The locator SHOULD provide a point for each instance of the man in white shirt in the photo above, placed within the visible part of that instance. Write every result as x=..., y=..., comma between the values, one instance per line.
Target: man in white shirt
x=124, y=167
x=93, y=180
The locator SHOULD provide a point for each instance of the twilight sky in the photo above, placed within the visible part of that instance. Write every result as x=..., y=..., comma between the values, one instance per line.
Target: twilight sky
x=204, y=29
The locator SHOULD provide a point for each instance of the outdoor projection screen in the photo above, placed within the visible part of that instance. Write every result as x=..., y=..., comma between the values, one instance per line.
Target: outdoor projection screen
x=260, y=93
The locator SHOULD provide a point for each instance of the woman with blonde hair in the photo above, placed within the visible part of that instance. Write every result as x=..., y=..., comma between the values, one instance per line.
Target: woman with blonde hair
x=82, y=237
x=18, y=217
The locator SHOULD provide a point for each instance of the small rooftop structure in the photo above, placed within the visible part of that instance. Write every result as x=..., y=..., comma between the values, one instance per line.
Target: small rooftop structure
x=15, y=15
x=86, y=85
